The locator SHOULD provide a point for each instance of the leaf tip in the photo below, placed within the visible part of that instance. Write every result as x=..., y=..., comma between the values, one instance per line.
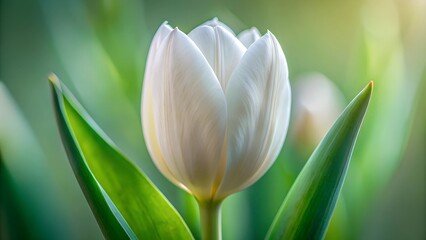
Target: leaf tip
x=369, y=87
x=53, y=79
x=368, y=90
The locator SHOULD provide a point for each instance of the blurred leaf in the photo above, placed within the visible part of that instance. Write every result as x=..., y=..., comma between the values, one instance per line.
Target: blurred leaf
x=13, y=222
x=90, y=67
x=190, y=213
x=29, y=187
x=236, y=216
x=119, y=26
x=307, y=209
x=126, y=204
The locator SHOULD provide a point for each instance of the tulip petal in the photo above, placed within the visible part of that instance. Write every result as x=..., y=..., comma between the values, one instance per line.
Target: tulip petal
x=215, y=22
x=258, y=98
x=222, y=50
x=190, y=114
x=249, y=36
x=147, y=111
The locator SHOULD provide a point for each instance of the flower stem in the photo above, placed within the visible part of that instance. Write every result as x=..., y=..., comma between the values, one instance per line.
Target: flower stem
x=211, y=219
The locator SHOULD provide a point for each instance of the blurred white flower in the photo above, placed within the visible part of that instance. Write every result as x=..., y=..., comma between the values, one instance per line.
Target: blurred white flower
x=214, y=113
x=318, y=103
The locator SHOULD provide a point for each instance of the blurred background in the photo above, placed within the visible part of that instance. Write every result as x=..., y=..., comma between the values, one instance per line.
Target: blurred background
x=333, y=48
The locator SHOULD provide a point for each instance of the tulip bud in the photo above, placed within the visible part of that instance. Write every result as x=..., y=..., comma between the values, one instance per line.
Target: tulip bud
x=214, y=112
x=318, y=103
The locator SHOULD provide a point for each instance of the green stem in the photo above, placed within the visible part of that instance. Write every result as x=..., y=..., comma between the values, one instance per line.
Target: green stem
x=211, y=220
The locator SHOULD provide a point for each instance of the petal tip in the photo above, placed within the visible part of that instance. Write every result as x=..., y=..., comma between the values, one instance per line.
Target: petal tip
x=165, y=24
x=175, y=32
x=255, y=30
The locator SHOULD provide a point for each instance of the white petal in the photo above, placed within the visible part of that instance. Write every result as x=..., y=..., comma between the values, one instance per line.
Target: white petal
x=258, y=98
x=249, y=36
x=189, y=115
x=148, y=122
x=215, y=22
x=222, y=50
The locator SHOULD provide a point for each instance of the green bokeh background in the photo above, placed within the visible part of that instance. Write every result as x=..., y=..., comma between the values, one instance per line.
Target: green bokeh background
x=99, y=48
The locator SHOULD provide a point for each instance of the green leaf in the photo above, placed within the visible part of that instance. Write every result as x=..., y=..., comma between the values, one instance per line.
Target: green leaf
x=125, y=203
x=308, y=207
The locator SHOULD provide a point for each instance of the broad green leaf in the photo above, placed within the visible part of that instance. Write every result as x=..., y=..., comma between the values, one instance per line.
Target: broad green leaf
x=125, y=203
x=308, y=207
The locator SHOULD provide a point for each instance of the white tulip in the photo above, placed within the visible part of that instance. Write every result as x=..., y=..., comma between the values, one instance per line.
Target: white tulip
x=214, y=113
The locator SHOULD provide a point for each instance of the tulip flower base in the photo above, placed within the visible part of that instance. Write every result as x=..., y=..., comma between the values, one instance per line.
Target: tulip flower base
x=215, y=112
